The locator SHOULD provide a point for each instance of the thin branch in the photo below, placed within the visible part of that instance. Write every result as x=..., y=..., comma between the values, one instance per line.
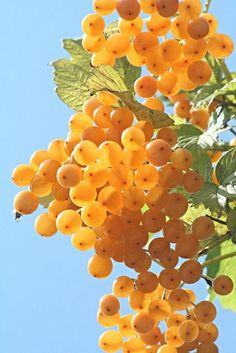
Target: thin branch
x=229, y=104
x=214, y=244
x=216, y=219
x=233, y=132
x=218, y=259
x=188, y=316
x=208, y=280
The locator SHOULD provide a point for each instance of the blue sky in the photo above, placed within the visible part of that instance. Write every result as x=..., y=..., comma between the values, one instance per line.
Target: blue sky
x=48, y=301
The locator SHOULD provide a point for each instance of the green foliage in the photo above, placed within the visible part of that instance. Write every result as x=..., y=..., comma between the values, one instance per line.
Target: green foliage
x=210, y=196
x=128, y=72
x=217, y=72
x=226, y=267
x=45, y=201
x=205, y=95
x=68, y=77
x=121, y=78
x=76, y=80
x=213, y=270
x=77, y=52
x=190, y=138
x=106, y=78
x=112, y=28
x=199, y=142
x=209, y=139
x=226, y=173
x=226, y=168
x=231, y=221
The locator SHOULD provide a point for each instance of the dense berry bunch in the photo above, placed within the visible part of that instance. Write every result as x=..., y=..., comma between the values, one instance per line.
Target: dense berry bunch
x=113, y=184
x=171, y=44
x=114, y=181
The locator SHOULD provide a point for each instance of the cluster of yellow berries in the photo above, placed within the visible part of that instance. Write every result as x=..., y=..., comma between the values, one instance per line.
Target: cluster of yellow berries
x=113, y=179
x=187, y=326
x=171, y=48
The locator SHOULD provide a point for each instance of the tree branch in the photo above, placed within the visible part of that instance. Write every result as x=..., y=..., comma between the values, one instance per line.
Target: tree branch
x=218, y=259
x=233, y=132
x=214, y=244
x=216, y=219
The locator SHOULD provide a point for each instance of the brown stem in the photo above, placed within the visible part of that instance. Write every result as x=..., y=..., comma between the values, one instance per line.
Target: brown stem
x=187, y=314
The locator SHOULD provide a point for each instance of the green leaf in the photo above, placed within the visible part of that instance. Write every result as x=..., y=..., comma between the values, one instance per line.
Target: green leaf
x=231, y=220
x=226, y=173
x=226, y=167
x=77, y=52
x=190, y=137
x=45, y=201
x=112, y=28
x=208, y=140
x=226, y=267
x=213, y=269
x=201, y=162
x=188, y=131
x=71, y=83
x=217, y=72
x=70, y=76
x=177, y=120
x=156, y=118
x=106, y=78
x=211, y=196
x=128, y=72
x=201, y=98
x=228, y=91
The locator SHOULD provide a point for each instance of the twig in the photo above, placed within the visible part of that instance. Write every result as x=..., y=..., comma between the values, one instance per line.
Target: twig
x=216, y=219
x=233, y=132
x=218, y=259
x=188, y=316
x=214, y=244
x=164, y=294
x=208, y=280
x=207, y=5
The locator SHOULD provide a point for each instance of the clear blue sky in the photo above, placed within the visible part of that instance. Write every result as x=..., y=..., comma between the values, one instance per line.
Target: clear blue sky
x=48, y=302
